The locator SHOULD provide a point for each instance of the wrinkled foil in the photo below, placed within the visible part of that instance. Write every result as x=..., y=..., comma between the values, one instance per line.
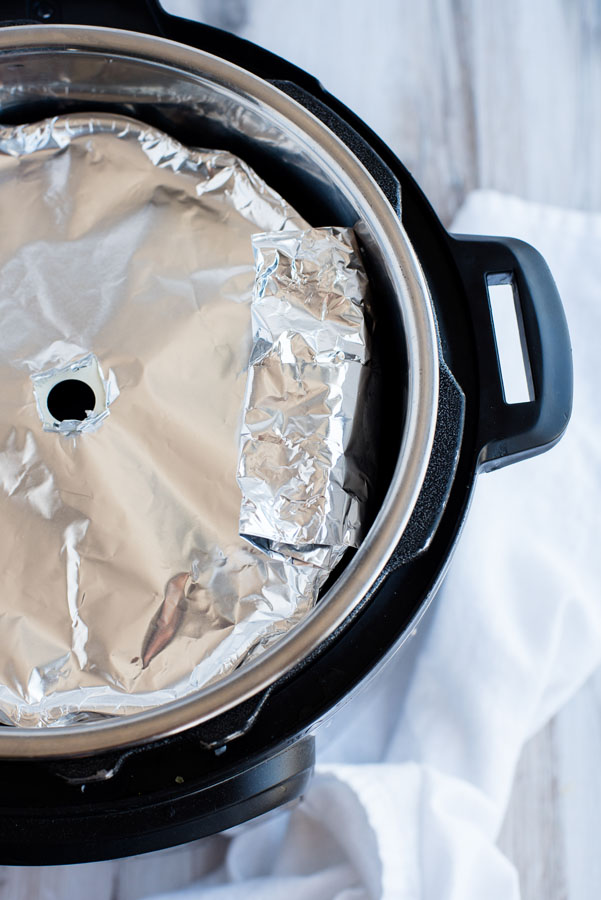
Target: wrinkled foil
x=126, y=261
x=301, y=494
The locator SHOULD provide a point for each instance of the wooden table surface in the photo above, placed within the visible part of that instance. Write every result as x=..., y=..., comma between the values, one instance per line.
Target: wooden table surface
x=469, y=93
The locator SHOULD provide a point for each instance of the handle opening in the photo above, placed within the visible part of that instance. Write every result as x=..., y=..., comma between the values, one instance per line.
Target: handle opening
x=510, y=338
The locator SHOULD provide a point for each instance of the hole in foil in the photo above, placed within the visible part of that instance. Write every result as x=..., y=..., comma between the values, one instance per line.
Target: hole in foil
x=71, y=399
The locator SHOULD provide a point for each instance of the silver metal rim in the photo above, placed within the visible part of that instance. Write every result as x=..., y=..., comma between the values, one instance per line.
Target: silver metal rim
x=422, y=346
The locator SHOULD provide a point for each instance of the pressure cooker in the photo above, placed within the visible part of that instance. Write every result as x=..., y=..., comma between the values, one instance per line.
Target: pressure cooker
x=439, y=417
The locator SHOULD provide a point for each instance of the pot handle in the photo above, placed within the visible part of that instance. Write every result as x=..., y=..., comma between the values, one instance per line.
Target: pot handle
x=510, y=431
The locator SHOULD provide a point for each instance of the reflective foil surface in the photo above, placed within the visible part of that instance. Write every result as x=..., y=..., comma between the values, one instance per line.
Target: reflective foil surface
x=301, y=492
x=126, y=289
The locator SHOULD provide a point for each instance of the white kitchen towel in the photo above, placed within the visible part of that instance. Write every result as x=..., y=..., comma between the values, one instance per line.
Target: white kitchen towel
x=410, y=793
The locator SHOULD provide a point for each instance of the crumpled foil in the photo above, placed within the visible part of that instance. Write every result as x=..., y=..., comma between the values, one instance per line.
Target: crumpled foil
x=126, y=264
x=301, y=493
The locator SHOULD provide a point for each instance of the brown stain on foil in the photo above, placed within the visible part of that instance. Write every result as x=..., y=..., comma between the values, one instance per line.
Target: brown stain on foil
x=167, y=622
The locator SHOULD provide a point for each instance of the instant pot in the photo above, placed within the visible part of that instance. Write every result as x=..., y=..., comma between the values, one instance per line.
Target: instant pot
x=437, y=418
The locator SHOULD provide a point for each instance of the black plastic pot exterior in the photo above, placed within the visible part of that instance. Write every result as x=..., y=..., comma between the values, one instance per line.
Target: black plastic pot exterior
x=259, y=755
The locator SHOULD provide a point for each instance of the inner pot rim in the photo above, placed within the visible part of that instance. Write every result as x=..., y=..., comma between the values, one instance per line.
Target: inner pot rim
x=413, y=299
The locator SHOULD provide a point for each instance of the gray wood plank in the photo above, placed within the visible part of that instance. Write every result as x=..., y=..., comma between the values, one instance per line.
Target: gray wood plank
x=553, y=822
x=532, y=835
x=577, y=731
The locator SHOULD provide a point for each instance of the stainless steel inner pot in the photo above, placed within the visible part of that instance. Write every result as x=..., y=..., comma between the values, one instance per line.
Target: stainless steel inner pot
x=47, y=70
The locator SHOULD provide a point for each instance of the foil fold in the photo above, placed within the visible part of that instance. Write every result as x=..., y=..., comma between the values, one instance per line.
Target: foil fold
x=301, y=490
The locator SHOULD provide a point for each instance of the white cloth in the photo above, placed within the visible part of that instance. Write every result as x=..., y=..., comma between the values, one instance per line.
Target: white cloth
x=410, y=793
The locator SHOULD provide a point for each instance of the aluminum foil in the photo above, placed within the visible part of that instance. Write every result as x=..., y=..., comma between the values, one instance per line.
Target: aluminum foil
x=126, y=266
x=302, y=495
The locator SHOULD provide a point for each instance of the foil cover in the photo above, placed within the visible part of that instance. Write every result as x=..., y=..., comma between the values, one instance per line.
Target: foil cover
x=127, y=272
